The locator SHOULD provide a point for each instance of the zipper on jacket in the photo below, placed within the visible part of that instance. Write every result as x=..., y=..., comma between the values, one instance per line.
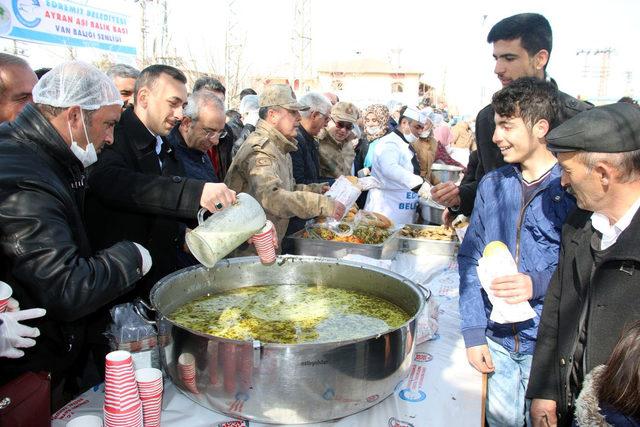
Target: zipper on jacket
x=516, y=338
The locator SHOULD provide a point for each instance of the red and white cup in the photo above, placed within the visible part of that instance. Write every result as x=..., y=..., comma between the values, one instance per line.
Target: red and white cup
x=187, y=372
x=5, y=294
x=121, y=396
x=129, y=418
x=263, y=241
x=150, y=387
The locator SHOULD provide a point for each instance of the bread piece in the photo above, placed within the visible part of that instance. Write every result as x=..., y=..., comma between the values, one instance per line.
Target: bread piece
x=495, y=248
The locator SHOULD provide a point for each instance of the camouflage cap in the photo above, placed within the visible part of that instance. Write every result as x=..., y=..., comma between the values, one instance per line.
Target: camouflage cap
x=280, y=95
x=344, y=112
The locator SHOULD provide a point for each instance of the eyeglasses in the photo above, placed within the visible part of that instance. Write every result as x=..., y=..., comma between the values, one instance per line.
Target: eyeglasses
x=344, y=125
x=212, y=134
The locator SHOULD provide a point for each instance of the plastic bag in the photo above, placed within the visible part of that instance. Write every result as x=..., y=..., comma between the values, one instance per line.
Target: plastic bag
x=129, y=331
x=345, y=192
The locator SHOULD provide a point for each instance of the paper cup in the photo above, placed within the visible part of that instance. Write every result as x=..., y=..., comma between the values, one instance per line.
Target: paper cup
x=5, y=294
x=187, y=371
x=263, y=241
x=86, y=421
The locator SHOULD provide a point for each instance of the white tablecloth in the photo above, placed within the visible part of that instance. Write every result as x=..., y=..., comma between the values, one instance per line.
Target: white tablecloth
x=441, y=390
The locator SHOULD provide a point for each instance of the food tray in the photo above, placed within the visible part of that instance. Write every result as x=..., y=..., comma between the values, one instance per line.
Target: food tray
x=328, y=248
x=425, y=246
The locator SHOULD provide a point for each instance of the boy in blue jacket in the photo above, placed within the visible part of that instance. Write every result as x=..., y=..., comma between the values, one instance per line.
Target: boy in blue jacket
x=523, y=205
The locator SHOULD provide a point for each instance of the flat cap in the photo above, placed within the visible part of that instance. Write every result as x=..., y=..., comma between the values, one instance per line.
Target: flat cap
x=344, y=112
x=613, y=128
x=280, y=95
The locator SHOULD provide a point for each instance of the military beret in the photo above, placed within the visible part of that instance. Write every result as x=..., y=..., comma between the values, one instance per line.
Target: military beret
x=613, y=128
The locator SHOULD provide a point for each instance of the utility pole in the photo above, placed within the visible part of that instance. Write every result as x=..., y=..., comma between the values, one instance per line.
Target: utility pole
x=301, y=68
x=604, y=71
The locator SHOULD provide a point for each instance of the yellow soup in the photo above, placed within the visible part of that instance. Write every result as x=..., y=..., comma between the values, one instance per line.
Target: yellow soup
x=291, y=314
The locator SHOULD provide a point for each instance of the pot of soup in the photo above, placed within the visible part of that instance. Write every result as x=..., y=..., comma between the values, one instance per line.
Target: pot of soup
x=304, y=340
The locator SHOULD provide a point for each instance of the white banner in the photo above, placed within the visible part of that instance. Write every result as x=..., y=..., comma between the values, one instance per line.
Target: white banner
x=66, y=23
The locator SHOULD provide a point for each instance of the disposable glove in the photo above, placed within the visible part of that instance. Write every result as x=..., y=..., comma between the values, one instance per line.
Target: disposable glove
x=14, y=336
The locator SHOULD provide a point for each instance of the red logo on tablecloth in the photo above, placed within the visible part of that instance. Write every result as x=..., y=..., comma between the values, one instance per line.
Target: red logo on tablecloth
x=373, y=398
x=234, y=424
x=66, y=412
x=423, y=357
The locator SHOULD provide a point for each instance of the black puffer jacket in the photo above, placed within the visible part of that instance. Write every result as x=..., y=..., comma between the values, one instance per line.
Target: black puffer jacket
x=44, y=248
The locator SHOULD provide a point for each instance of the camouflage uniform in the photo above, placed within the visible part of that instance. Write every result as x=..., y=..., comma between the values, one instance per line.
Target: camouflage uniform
x=262, y=168
x=336, y=157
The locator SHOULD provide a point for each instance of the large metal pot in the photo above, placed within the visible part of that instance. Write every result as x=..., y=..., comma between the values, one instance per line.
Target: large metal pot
x=277, y=383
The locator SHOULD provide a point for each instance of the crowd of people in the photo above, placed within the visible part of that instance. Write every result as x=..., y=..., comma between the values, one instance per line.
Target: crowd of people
x=103, y=173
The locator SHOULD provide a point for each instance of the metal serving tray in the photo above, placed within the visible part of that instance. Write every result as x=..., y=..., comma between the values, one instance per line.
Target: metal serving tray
x=425, y=246
x=328, y=248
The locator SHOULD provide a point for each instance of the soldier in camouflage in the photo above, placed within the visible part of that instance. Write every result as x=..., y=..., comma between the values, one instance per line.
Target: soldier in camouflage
x=262, y=167
x=337, y=141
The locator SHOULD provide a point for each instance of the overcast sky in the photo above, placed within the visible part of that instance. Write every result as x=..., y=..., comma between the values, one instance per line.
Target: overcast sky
x=445, y=40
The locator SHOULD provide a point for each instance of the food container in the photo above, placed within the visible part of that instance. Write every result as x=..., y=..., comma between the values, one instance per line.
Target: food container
x=328, y=248
x=426, y=246
x=430, y=213
x=445, y=173
x=287, y=383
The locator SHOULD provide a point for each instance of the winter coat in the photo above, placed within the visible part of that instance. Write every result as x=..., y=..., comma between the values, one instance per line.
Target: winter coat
x=605, y=299
x=489, y=156
x=45, y=250
x=532, y=234
x=262, y=168
x=132, y=197
x=591, y=413
x=394, y=165
x=195, y=163
x=336, y=158
x=306, y=159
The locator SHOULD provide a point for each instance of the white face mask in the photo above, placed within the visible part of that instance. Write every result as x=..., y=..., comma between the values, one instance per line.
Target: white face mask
x=86, y=156
x=373, y=130
x=426, y=134
x=410, y=138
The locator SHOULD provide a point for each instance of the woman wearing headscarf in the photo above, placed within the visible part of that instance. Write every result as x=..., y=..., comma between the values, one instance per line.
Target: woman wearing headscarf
x=375, y=119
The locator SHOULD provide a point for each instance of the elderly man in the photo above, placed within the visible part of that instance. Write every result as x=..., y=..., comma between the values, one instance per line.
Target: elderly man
x=124, y=77
x=138, y=187
x=16, y=83
x=221, y=153
x=306, y=159
x=44, y=246
x=595, y=290
x=263, y=167
x=336, y=141
x=200, y=130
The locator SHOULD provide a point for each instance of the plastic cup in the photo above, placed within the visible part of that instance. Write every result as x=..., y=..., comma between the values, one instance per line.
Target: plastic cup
x=263, y=241
x=5, y=294
x=86, y=421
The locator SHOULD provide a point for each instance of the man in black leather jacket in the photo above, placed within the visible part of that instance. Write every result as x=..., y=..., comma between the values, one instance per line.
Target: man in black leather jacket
x=44, y=250
x=521, y=47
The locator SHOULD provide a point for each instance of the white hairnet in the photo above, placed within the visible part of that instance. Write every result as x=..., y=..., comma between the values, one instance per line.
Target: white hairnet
x=76, y=83
x=436, y=118
x=248, y=104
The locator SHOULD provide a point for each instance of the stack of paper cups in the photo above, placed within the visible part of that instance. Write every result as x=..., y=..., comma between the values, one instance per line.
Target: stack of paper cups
x=150, y=389
x=187, y=371
x=122, y=405
x=263, y=241
x=5, y=294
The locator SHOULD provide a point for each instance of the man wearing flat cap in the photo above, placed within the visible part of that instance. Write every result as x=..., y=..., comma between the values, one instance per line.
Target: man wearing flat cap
x=595, y=291
x=262, y=167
